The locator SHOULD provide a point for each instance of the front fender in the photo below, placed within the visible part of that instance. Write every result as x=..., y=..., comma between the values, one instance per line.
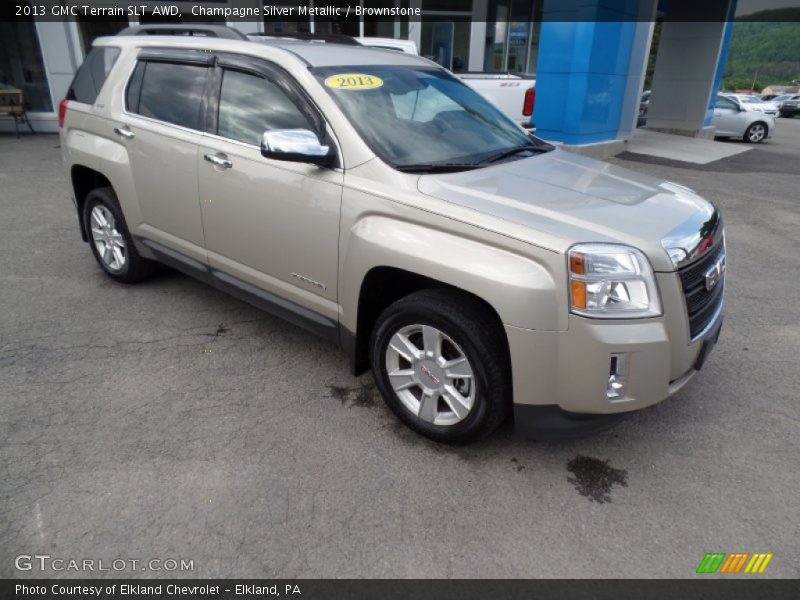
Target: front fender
x=523, y=290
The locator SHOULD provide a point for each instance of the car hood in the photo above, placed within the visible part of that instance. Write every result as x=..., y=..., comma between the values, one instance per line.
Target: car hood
x=562, y=198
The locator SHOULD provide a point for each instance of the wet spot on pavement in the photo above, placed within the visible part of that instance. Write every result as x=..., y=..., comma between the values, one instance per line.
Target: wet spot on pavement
x=594, y=478
x=362, y=395
x=339, y=392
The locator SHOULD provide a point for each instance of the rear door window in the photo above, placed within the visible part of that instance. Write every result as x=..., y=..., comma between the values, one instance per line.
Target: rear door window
x=169, y=92
x=92, y=75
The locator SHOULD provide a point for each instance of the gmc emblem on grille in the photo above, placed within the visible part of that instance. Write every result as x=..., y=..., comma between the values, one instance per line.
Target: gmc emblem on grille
x=714, y=274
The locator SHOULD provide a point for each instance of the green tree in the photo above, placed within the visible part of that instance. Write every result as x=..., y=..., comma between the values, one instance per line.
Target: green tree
x=764, y=50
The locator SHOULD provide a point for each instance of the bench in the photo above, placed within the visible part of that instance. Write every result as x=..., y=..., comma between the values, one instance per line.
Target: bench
x=12, y=105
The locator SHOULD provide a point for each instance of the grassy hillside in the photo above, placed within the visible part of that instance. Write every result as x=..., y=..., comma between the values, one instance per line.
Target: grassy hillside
x=764, y=50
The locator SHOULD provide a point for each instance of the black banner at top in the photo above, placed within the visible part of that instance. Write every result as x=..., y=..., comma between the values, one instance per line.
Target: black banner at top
x=242, y=11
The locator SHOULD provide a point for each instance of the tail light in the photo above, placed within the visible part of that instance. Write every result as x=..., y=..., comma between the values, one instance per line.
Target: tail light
x=527, y=105
x=62, y=112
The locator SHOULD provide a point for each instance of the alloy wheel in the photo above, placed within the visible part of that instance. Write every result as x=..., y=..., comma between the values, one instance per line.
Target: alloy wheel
x=430, y=374
x=108, y=241
x=756, y=133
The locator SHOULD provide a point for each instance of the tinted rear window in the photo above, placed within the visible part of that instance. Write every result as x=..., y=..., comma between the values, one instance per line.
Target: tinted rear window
x=169, y=92
x=92, y=75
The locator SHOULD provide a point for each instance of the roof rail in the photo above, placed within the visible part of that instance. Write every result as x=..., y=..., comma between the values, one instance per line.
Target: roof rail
x=328, y=38
x=188, y=29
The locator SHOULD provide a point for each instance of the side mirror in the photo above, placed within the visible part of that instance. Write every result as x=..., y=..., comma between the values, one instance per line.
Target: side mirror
x=295, y=145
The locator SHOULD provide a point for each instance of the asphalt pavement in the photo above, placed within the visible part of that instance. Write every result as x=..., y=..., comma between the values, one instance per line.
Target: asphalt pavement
x=167, y=420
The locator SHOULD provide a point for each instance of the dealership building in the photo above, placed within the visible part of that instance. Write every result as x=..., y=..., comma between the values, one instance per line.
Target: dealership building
x=589, y=56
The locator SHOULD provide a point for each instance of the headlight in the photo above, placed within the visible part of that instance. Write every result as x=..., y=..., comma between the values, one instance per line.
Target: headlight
x=611, y=281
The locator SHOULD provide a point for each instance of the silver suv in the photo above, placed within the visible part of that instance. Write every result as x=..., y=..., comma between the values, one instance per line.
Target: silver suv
x=374, y=199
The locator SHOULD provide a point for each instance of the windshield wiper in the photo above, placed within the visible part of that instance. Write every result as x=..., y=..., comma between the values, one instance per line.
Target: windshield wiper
x=515, y=150
x=437, y=167
x=450, y=167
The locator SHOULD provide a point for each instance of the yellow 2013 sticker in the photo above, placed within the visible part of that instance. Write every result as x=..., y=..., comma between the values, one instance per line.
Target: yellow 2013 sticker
x=353, y=81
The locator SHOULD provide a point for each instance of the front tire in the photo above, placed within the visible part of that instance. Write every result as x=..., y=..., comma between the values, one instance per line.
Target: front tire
x=110, y=240
x=756, y=133
x=441, y=362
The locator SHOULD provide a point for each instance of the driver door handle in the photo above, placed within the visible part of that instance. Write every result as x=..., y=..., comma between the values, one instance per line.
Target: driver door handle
x=218, y=161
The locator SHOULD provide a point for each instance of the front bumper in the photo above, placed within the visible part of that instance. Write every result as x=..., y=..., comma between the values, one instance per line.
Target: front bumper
x=561, y=377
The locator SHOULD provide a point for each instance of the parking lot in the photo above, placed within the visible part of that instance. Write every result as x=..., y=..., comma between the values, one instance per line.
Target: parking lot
x=167, y=420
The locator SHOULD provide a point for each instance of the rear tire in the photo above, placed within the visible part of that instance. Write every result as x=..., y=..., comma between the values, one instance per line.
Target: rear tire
x=756, y=133
x=110, y=240
x=451, y=378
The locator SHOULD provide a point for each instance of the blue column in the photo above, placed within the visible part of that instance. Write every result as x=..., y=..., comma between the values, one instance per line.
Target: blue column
x=583, y=73
x=723, y=55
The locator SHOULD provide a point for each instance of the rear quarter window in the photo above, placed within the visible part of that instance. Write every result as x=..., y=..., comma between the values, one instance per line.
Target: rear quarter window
x=92, y=75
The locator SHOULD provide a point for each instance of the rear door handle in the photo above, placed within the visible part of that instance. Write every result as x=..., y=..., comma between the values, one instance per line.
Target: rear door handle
x=218, y=161
x=124, y=132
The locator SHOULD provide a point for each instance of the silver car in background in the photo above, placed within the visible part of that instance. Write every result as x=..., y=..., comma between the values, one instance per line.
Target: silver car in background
x=752, y=102
x=734, y=119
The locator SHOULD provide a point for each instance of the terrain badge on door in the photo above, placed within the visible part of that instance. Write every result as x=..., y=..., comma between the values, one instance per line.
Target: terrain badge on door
x=309, y=281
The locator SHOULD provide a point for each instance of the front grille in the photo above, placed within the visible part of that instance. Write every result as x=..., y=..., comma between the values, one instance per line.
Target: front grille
x=702, y=304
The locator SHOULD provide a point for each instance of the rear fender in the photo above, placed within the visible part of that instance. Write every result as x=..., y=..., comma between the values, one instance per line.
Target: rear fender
x=106, y=156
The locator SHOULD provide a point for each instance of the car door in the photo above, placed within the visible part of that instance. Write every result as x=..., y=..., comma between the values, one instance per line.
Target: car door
x=727, y=117
x=271, y=227
x=161, y=128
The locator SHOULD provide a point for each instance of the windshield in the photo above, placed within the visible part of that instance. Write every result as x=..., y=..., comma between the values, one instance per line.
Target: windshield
x=750, y=100
x=424, y=117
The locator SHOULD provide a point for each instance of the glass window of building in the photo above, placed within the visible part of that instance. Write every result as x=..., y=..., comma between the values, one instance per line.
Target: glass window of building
x=337, y=25
x=445, y=40
x=21, y=64
x=90, y=28
x=445, y=33
x=512, y=35
x=281, y=24
x=447, y=6
x=386, y=27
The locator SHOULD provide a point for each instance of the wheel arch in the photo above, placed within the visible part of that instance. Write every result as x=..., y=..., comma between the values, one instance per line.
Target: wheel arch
x=84, y=180
x=384, y=285
x=384, y=259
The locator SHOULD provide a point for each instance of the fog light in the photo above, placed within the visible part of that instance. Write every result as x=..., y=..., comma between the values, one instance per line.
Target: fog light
x=617, y=377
